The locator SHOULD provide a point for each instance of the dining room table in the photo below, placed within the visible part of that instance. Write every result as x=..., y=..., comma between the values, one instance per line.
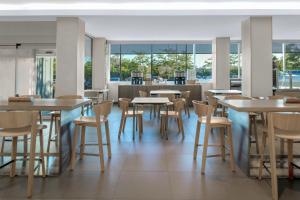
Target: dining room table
x=159, y=101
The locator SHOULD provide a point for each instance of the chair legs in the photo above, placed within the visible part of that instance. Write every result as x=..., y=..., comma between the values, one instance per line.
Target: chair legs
x=271, y=138
x=75, y=140
x=31, y=165
x=205, y=146
x=2, y=146
x=197, y=140
x=222, y=136
x=290, y=158
x=204, y=153
x=108, y=139
x=42, y=157
x=82, y=142
x=99, y=133
x=13, y=156
x=229, y=141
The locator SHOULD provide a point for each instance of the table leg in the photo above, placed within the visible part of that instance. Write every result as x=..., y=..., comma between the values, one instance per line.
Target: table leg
x=133, y=123
x=167, y=119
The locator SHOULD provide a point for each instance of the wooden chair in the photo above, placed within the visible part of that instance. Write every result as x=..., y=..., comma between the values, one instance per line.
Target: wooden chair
x=55, y=119
x=176, y=113
x=186, y=97
x=25, y=137
x=204, y=113
x=217, y=111
x=124, y=105
x=20, y=123
x=206, y=95
x=145, y=94
x=284, y=126
x=102, y=110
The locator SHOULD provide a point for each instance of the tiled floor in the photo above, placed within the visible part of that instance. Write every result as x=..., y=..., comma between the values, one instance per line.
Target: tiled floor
x=150, y=168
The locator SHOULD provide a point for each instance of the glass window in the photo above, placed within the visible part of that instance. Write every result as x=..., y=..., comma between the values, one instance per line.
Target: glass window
x=235, y=60
x=158, y=60
x=46, y=73
x=88, y=63
x=203, y=61
x=286, y=65
x=135, y=57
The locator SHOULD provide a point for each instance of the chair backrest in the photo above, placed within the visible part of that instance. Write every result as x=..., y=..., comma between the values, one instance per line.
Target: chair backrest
x=143, y=93
x=33, y=96
x=18, y=119
x=103, y=108
x=207, y=94
x=212, y=101
x=178, y=105
x=240, y=97
x=69, y=97
x=124, y=104
x=288, y=122
x=186, y=94
x=171, y=97
x=203, y=110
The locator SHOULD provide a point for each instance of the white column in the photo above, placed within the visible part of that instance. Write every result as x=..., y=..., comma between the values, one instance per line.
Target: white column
x=99, y=63
x=221, y=63
x=70, y=56
x=257, y=56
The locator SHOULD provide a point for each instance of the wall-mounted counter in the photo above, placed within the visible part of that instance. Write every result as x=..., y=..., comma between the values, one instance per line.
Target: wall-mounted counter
x=131, y=91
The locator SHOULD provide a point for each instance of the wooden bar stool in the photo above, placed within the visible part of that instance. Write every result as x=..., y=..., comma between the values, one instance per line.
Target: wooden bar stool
x=102, y=110
x=284, y=126
x=186, y=97
x=124, y=105
x=204, y=113
x=176, y=113
x=20, y=123
x=55, y=119
x=25, y=137
x=217, y=111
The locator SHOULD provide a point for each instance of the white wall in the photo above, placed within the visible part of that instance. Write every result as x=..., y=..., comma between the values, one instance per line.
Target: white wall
x=20, y=64
x=27, y=32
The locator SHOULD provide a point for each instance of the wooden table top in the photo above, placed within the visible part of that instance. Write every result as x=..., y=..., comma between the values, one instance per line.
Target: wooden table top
x=260, y=105
x=44, y=104
x=152, y=92
x=220, y=91
x=150, y=100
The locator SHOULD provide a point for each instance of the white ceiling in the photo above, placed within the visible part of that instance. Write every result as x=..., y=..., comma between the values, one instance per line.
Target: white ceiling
x=148, y=7
x=183, y=27
x=153, y=20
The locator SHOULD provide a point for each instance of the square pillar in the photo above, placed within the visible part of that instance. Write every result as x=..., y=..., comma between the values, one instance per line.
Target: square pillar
x=70, y=40
x=257, y=56
x=99, y=63
x=221, y=63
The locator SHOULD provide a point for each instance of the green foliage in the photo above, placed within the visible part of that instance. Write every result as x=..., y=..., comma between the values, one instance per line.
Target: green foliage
x=163, y=65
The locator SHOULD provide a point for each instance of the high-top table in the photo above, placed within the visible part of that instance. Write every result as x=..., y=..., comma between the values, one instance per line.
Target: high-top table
x=69, y=110
x=238, y=113
x=147, y=100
